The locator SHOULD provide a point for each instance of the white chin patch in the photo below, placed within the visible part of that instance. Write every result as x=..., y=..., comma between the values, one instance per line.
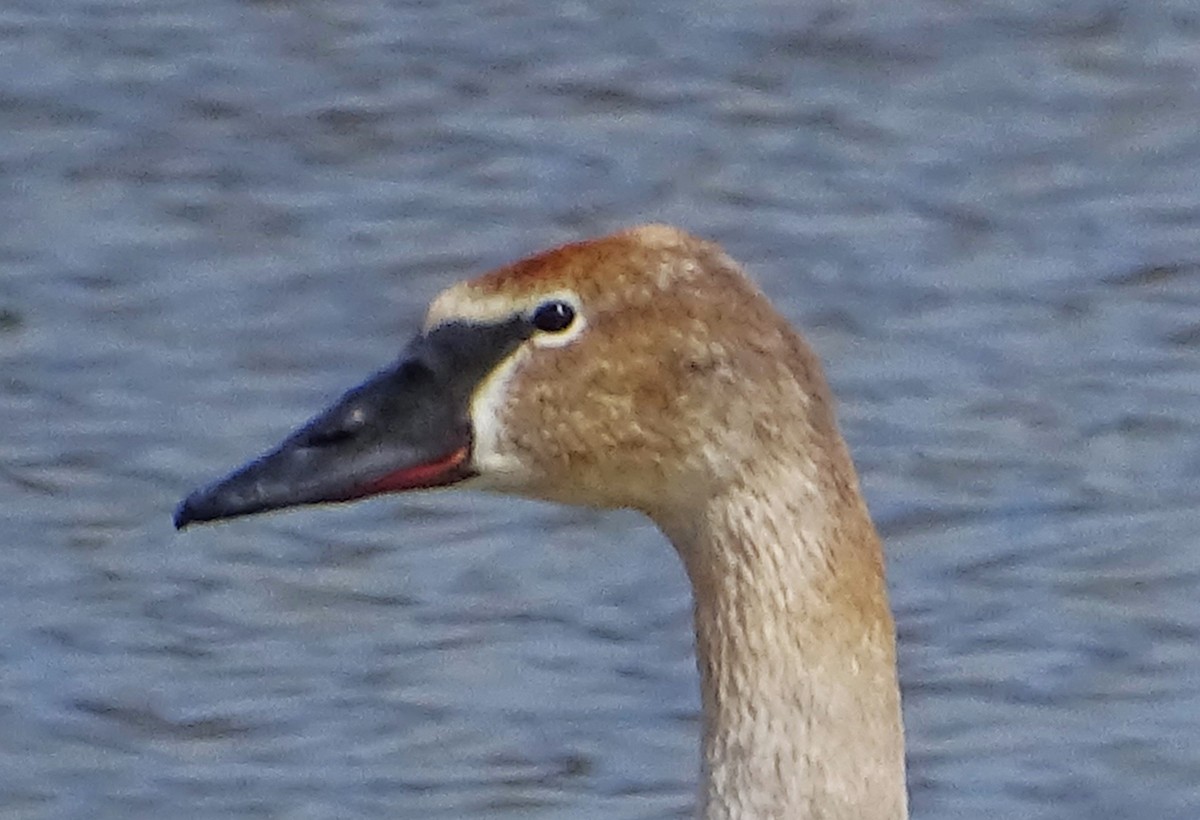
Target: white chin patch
x=498, y=468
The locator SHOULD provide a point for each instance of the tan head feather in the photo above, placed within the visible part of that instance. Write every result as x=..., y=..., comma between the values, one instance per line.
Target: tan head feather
x=677, y=372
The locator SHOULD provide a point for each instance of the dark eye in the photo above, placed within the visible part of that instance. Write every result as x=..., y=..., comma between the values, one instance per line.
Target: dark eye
x=553, y=317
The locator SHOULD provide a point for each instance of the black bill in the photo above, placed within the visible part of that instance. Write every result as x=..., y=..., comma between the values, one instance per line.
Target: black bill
x=406, y=428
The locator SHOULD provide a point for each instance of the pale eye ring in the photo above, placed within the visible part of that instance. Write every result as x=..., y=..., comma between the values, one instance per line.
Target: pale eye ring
x=554, y=316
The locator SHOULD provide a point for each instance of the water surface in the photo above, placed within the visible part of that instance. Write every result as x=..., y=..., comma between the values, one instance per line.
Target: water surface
x=217, y=216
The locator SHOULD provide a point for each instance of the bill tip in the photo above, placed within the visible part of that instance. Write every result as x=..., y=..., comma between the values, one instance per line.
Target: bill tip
x=183, y=515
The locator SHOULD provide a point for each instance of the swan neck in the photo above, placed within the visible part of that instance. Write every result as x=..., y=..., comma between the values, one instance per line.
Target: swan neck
x=796, y=650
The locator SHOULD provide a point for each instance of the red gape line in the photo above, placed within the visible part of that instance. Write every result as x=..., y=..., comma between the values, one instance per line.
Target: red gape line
x=429, y=474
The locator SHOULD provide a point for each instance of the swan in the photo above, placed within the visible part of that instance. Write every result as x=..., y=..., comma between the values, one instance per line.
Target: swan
x=644, y=370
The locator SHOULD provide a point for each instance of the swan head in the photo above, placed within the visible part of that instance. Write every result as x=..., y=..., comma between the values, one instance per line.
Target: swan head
x=626, y=371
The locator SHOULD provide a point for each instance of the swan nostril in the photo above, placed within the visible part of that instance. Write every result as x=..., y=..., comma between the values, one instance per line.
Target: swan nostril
x=335, y=431
x=324, y=438
x=414, y=370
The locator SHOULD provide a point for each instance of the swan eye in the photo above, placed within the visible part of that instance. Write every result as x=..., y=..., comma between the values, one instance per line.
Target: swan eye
x=553, y=317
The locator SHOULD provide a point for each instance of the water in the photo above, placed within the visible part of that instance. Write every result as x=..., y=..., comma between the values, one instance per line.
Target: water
x=219, y=215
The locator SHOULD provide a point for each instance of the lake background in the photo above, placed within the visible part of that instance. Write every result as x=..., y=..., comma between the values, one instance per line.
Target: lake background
x=216, y=216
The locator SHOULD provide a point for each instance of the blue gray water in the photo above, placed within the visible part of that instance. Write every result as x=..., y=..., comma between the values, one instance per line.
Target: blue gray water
x=216, y=216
